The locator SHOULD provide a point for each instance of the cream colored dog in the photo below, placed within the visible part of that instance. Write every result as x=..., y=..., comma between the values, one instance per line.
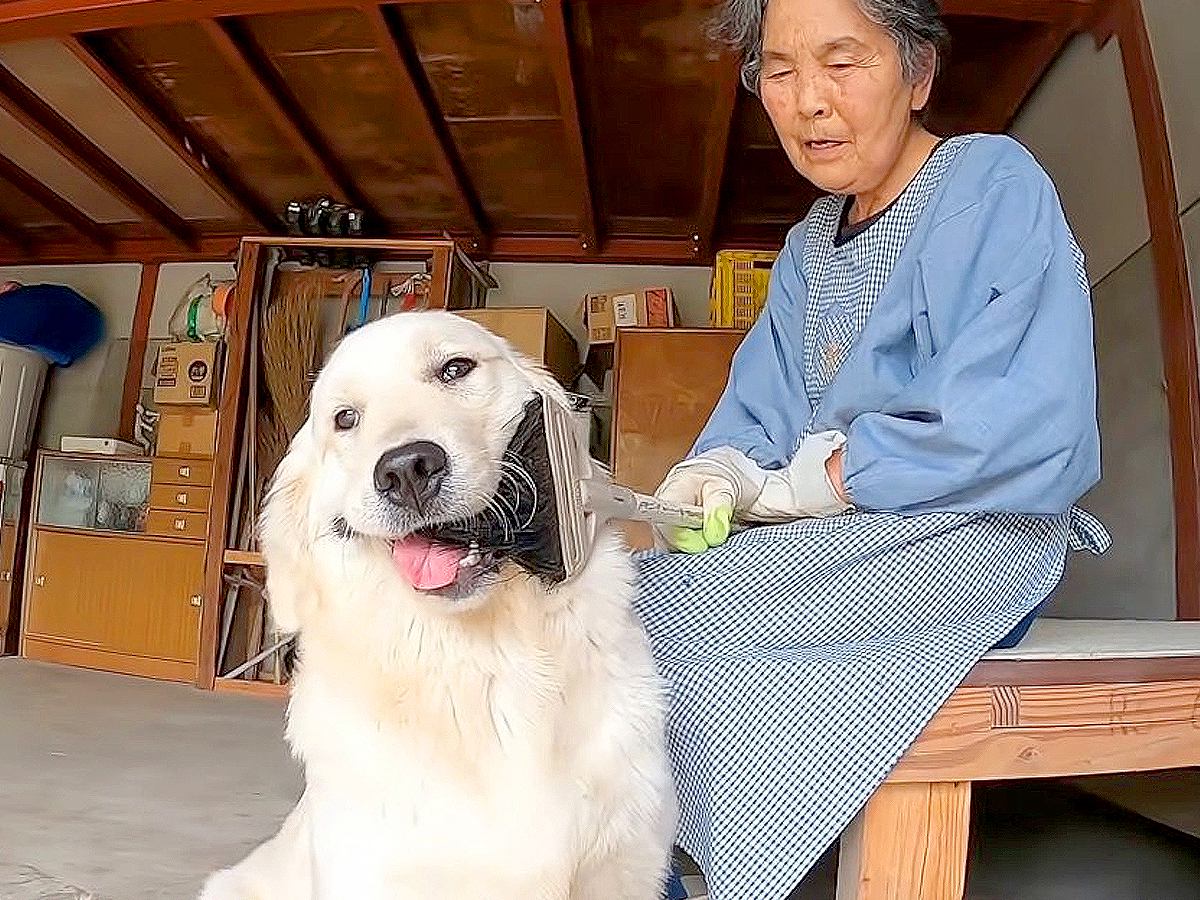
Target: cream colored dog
x=468, y=732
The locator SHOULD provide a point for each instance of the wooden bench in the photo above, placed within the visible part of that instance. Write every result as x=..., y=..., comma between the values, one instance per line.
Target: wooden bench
x=1075, y=697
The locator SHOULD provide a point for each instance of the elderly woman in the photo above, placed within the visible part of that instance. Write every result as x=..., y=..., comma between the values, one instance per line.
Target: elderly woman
x=914, y=411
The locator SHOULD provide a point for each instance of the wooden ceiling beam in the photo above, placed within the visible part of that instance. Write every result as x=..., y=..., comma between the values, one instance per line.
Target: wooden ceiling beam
x=249, y=64
x=43, y=121
x=420, y=108
x=1072, y=13
x=557, y=41
x=93, y=233
x=30, y=19
x=207, y=161
x=716, y=153
x=16, y=236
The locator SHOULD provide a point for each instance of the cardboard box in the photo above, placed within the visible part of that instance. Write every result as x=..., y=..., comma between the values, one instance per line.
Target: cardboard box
x=185, y=374
x=603, y=314
x=186, y=431
x=535, y=332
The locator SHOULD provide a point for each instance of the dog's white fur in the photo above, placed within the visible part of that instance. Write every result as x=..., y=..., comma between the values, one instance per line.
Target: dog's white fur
x=508, y=746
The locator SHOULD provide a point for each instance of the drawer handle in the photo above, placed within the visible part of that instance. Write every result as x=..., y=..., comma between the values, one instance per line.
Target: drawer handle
x=181, y=525
x=40, y=581
x=196, y=600
x=181, y=497
x=185, y=471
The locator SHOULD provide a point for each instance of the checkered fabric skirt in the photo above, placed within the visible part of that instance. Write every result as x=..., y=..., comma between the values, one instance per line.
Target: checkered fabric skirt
x=804, y=659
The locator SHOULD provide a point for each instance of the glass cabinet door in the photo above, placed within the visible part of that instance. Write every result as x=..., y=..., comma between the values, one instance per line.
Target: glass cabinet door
x=94, y=493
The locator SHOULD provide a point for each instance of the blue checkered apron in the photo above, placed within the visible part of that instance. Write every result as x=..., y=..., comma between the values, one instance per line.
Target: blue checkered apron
x=803, y=659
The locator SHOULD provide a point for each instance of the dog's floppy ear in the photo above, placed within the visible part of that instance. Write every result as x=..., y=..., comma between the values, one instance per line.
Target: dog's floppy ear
x=285, y=534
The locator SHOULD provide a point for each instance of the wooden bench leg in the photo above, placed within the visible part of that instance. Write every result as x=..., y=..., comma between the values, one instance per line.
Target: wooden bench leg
x=908, y=843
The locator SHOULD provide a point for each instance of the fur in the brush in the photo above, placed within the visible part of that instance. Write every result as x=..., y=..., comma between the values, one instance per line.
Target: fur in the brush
x=521, y=521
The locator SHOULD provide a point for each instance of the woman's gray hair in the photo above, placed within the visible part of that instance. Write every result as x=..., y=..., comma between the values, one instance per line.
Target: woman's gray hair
x=915, y=25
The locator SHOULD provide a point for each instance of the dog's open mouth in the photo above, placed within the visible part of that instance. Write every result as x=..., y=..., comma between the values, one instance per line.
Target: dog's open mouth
x=434, y=567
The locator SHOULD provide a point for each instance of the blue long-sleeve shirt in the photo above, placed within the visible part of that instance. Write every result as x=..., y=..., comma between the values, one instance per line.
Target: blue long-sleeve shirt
x=972, y=385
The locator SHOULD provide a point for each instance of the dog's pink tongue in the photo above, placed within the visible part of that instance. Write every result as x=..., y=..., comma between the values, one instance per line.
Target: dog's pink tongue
x=426, y=565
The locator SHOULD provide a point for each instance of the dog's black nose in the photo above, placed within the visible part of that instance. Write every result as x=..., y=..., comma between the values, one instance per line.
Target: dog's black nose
x=411, y=475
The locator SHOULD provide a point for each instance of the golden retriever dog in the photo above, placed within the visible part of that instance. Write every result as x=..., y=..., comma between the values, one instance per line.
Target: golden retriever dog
x=468, y=731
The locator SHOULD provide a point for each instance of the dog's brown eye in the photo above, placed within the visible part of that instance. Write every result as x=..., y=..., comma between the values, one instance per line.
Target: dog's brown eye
x=345, y=419
x=454, y=369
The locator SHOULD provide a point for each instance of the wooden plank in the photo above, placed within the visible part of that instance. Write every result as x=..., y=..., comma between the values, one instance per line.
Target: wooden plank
x=242, y=686
x=1107, y=704
x=19, y=239
x=1142, y=727
x=244, y=558
x=229, y=427
x=1081, y=671
x=1063, y=12
x=29, y=19
x=207, y=161
x=270, y=95
x=565, y=248
x=716, y=152
x=92, y=232
x=137, y=348
x=908, y=843
x=43, y=121
x=1176, y=305
x=96, y=658
x=420, y=109
x=557, y=41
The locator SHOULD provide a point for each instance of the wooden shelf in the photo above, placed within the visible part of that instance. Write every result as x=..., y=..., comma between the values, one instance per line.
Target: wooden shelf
x=244, y=558
x=255, y=688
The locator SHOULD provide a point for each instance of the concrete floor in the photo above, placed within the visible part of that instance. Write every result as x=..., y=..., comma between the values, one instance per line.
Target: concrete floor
x=131, y=789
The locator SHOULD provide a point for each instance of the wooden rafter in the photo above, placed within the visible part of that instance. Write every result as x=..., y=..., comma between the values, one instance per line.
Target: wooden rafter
x=207, y=161
x=238, y=50
x=557, y=42
x=420, y=108
x=92, y=232
x=716, y=153
x=43, y=121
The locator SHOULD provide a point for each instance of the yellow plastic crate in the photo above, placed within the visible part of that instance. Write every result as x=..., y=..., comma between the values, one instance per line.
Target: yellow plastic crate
x=738, y=289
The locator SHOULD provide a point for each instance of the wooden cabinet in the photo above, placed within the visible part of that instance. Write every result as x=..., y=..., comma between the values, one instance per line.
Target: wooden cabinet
x=8, y=553
x=110, y=582
x=121, y=595
x=666, y=384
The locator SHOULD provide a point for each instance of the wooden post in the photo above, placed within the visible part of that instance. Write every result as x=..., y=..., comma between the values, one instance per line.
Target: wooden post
x=909, y=843
x=138, y=338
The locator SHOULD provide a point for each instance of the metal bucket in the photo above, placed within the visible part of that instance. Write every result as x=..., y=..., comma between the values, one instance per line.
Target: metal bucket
x=22, y=380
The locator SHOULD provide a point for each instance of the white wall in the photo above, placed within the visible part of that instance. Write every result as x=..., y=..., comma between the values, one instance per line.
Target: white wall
x=1078, y=124
x=1136, y=577
x=1174, y=27
x=562, y=286
x=85, y=398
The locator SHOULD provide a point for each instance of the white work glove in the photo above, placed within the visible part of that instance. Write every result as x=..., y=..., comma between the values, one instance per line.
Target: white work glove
x=802, y=489
x=722, y=481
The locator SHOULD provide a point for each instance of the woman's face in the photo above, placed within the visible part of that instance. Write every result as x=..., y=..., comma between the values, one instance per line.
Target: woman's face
x=833, y=88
